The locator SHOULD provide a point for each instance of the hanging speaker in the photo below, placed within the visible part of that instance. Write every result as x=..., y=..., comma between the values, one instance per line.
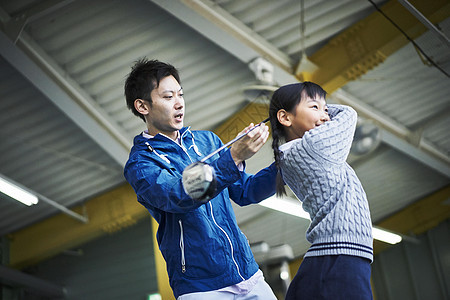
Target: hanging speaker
x=261, y=89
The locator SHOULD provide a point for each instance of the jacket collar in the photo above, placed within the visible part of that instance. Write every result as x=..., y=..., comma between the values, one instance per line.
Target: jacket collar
x=158, y=140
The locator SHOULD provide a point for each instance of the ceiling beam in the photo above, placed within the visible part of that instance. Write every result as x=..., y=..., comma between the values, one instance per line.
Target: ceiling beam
x=230, y=34
x=17, y=22
x=238, y=30
x=35, y=65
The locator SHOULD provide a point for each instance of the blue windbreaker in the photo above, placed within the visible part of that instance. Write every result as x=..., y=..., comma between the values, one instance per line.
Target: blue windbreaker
x=202, y=245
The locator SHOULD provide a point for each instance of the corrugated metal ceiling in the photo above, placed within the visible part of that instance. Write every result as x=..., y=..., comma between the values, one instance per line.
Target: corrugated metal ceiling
x=55, y=148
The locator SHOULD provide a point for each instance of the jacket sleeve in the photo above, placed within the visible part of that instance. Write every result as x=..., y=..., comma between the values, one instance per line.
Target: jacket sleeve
x=158, y=187
x=254, y=188
x=332, y=141
x=243, y=188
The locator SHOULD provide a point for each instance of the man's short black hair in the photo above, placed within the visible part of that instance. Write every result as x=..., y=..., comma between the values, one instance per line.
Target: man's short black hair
x=144, y=77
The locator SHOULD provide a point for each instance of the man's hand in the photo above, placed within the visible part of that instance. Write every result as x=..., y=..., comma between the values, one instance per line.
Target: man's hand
x=247, y=146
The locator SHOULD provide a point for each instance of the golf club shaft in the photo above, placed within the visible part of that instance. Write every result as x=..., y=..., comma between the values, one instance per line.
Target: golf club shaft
x=232, y=141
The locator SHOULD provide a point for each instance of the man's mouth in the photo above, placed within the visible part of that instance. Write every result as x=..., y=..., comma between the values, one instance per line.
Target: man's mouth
x=179, y=116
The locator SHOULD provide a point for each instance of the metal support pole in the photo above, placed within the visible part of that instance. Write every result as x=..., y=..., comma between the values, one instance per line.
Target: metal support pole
x=425, y=22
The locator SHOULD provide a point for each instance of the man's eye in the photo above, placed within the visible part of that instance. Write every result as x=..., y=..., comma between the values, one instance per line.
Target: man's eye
x=180, y=95
x=168, y=97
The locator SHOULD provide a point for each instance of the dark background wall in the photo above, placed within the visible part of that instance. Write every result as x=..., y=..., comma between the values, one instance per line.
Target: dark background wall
x=120, y=266
x=415, y=270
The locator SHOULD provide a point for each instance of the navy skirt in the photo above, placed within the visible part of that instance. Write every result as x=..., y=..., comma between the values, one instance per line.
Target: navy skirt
x=332, y=277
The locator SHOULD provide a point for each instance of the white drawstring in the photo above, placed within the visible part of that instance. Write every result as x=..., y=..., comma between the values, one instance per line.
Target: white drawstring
x=195, y=146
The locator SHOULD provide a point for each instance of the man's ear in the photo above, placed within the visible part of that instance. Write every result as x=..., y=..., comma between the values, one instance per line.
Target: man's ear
x=142, y=106
x=284, y=118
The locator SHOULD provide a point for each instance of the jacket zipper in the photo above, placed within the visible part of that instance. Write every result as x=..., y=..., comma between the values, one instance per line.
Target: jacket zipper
x=229, y=241
x=183, y=262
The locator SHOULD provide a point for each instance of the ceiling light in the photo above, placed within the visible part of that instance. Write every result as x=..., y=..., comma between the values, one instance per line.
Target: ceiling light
x=11, y=189
x=286, y=205
x=294, y=207
x=386, y=236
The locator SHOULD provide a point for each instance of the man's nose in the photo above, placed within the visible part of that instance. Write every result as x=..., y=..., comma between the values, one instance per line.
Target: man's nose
x=179, y=101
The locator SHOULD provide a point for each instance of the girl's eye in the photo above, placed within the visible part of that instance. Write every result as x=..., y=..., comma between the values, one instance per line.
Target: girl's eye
x=315, y=107
x=168, y=97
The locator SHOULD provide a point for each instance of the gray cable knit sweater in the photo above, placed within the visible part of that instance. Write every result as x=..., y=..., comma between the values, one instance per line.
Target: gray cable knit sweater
x=315, y=169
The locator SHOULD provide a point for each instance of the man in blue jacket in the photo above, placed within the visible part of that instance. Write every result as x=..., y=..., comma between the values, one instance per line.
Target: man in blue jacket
x=207, y=255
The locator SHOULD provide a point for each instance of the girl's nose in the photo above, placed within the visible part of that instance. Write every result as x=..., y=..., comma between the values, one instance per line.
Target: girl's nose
x=325, y=117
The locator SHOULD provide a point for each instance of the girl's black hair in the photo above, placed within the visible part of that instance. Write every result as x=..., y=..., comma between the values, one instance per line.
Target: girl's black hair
x=287, y=97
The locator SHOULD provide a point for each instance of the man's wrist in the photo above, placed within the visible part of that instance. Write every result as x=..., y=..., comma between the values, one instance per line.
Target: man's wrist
x=236, y=160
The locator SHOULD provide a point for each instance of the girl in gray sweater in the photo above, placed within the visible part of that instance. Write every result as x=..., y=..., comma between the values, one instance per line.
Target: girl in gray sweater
x=312, y=163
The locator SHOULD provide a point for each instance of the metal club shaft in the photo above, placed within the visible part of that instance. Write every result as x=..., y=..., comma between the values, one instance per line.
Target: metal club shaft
x=232, y=141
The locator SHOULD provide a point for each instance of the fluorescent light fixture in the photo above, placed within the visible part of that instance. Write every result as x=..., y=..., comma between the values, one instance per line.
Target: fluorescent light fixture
x=294, y=207
x=16, y=192
x=386, y=236
x=286, y=205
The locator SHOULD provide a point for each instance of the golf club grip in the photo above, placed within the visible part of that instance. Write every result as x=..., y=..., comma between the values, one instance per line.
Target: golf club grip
x=232, y=141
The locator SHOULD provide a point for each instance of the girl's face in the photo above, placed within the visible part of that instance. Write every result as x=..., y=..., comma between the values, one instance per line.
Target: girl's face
x=308, y=114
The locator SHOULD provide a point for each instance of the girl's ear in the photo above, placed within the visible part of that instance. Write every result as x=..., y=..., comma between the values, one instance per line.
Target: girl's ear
x=284, y=118
x=141, y=106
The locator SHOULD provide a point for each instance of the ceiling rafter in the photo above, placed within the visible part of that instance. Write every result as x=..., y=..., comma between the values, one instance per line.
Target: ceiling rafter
x=15, y=24
x=230, y=34
x=35, y=65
